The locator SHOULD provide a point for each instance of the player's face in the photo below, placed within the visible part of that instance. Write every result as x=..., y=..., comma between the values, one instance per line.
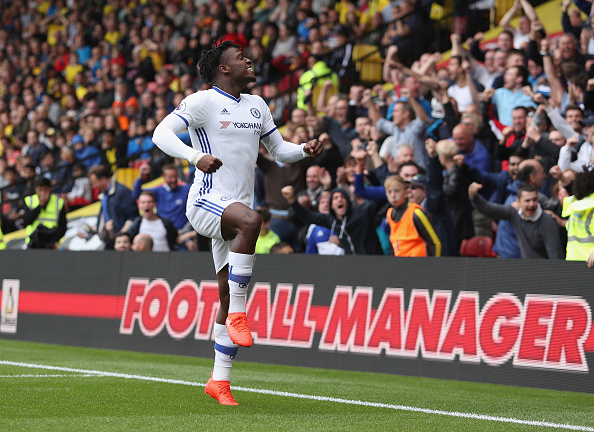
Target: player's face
x=240, y=66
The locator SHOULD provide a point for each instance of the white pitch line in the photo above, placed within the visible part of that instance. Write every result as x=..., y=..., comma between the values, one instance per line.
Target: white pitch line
x=313, y=397
x=48, y=376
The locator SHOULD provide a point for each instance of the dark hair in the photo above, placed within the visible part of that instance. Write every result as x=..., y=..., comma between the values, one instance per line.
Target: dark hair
x=583, y=185
x=149, y=193
x=43, y=182
x=526, y=171
x=211, y=59
x=523, y=72
x=100, y=171
x=457, y=57
x=124, y=234
x=526, y=187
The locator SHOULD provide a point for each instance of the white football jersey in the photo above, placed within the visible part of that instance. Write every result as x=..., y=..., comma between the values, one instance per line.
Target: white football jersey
x=229, y=129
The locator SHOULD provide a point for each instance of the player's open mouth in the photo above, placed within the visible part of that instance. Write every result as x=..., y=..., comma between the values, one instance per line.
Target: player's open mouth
x=250, y=69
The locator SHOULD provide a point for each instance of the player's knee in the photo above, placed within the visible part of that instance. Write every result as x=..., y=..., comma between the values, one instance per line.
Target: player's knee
x=252, y=223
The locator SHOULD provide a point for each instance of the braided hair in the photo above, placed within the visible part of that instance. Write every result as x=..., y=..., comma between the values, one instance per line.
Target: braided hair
x=211, y=59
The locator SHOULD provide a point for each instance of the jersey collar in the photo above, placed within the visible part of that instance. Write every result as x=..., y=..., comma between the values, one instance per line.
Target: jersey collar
x=226, y=94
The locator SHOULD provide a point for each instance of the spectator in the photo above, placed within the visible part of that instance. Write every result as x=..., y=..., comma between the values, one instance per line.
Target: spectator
x=321, y=240
x=537, y=231
x=267, y=238
x=142, y=243
x=411, y=232
x=171, y=197
x=123, y=242
x=160, y=229
x=510, y=96
x=578, y=208
x=281, y=248
x=409, y=121
x=118, y=207
x=354, y=225
x=81, y=193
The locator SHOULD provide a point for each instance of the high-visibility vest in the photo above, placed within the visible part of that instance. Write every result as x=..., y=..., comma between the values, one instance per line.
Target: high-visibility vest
x=580, y=227
x=48, y=217
x=2, y=243
x=313, y=79
x=404, y=236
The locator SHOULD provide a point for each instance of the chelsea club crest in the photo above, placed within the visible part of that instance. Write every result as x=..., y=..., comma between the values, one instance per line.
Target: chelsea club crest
x=255, y=113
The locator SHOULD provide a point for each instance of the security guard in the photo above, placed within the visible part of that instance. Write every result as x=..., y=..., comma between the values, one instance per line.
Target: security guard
x=45, y=217
x=580, y=227
x=2, y=242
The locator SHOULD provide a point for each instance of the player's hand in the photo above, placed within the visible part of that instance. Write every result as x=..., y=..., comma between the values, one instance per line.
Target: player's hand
x=209, y=164
x=313, y=148
x=459, y=160
x=473, y=189
x=288, y=194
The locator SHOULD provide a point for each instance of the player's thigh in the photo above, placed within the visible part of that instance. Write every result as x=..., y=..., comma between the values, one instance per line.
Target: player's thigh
x=205, y=214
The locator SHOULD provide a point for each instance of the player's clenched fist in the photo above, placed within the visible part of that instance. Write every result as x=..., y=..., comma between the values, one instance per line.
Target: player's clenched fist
x=313, y=148
x=289, y=194
x=209, y=164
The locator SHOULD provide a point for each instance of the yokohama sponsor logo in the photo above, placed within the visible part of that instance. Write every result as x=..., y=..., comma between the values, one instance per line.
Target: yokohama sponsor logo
x=550, y=332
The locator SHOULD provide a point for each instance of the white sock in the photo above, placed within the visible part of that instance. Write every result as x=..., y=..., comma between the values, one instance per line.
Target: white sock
x=240, y=273
x=225, y=351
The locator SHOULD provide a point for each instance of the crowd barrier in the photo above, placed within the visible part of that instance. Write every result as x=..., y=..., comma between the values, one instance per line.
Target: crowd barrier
x=518, y=322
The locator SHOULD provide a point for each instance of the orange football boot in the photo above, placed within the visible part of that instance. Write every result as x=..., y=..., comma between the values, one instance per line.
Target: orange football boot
x=238, y=329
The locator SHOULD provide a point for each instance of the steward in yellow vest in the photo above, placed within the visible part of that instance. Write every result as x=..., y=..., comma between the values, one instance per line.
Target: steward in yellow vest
x=580, y=227
x=45, y=217
x=2, y=243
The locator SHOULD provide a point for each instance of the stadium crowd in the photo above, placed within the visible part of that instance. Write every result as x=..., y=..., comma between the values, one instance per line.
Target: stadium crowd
x=429, y=156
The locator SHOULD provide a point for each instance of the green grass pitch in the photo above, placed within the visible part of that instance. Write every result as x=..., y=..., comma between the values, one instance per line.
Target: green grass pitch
x=56, y=388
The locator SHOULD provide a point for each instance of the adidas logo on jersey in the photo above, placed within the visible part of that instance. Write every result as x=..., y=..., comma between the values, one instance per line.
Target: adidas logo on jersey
x=225, y=112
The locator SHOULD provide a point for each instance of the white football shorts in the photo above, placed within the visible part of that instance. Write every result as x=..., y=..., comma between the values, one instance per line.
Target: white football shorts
x=204, y=213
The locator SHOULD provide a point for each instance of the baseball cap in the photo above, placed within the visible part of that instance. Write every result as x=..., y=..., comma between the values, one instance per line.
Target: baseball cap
x=588, y=121
x=419, y=180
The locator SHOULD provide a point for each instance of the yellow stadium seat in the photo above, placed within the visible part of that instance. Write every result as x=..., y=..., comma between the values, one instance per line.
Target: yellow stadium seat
x=368, y=62
x=126, y=176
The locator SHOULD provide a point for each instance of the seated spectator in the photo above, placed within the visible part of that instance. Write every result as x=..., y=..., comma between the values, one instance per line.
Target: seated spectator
x=122, y=242
x=81, y=193
x=160, y=229
x=142, y=243
x=267, y=238
x=281, y=248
